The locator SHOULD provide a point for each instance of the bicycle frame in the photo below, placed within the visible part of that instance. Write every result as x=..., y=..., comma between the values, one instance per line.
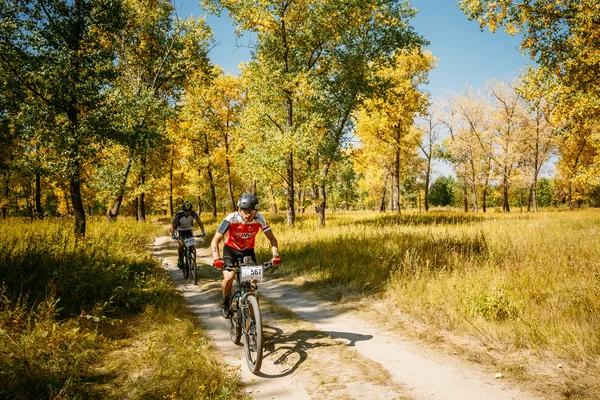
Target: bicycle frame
x=242, y=321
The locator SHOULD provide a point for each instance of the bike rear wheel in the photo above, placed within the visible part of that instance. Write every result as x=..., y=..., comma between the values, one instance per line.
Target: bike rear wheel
x=234, y=322
x=253, y=338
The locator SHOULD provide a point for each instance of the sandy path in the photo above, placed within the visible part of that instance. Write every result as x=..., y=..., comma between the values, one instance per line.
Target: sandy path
x=423, y=373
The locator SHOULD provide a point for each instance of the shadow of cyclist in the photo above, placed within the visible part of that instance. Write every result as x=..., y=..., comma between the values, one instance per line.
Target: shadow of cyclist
x=283, y=347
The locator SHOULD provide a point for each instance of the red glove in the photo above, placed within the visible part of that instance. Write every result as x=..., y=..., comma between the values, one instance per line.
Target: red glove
x=276, y=260
x=218, y=263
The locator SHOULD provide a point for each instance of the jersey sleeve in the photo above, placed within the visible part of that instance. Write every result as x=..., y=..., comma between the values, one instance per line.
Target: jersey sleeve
x=264, y=225
x=176, y=219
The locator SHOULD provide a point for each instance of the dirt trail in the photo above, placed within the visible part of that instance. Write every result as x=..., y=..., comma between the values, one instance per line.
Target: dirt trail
x=305, y=365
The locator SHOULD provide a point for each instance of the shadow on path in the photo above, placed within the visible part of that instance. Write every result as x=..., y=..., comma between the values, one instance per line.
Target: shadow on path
x=300, y=342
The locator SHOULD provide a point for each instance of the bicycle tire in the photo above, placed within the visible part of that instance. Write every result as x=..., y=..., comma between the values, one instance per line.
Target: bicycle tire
x=193, y=267
x=235, y=325
x=253, y=338
x=186, y=265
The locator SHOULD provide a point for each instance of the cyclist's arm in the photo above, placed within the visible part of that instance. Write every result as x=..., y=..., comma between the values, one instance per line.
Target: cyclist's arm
x=274, y=245
x=200, y=224
x=174, y=224
x=214, y=245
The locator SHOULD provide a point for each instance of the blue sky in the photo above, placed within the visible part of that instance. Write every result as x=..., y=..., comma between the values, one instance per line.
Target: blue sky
x=465, y=54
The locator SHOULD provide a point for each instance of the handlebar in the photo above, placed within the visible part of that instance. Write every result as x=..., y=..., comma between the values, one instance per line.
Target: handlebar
x=181, y=238
x=266, y=265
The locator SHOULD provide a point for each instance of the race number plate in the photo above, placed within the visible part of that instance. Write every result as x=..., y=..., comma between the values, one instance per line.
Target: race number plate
x=252, y=273
x=190, y=241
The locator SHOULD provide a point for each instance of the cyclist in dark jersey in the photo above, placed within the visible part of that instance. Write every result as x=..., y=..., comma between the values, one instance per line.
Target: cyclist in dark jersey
x=182, y=223
x=241, y=228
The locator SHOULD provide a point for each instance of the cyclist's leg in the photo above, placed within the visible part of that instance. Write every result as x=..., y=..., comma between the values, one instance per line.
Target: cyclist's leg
x=182, y=235
x=230, y=255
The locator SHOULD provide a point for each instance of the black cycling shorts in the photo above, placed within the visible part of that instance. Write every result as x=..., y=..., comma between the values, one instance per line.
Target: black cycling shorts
x=230, y=255
x=185, y=234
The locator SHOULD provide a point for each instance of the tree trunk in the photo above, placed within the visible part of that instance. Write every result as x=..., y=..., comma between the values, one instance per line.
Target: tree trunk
x=484, y=199
x=230, y=185
x=474, y=187
x=392, y=194
x=383, y=192
x=300, y=208
x=505, y=205
x=6, y=195
x=141, y=206
x=322, y=205
x=521, y=200
x=113, y=212
x=427, y=177
x=77, y=201
x=571, y=206
x=273, y=202
x=38, y=196
x=291, y=212
x=534, y=193
x=465, y=198
x=397, y=173
x=171, y=210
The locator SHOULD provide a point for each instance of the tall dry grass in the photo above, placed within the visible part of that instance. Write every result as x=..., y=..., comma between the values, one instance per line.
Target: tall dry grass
x=97, y=318
x=521, y=281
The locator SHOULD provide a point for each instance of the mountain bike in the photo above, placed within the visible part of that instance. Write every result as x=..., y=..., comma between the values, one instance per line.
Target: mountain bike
x=190, y=267
x=244, y=312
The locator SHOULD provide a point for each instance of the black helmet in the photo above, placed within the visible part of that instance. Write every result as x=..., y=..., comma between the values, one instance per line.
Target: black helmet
x=186, y=206
x=248, y=201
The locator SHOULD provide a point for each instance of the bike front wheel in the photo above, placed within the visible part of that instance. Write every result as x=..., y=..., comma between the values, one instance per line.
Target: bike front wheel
x=253, y=335
x=193, y=267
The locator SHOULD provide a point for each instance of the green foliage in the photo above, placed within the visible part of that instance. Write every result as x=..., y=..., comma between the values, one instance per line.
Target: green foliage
x=441, y=192
x=546, y=193
x=492, y=304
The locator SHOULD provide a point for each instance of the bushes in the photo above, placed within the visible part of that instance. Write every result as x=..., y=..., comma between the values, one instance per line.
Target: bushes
x=68, y=311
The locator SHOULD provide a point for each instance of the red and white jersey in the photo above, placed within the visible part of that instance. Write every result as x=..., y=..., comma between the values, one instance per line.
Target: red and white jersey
x=241, y=235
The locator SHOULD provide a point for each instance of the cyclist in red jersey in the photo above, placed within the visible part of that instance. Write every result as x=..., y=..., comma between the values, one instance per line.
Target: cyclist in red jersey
x=241, y=228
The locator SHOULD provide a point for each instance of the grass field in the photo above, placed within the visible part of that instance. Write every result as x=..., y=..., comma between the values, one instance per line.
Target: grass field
x=520, y=283
x=101, y=319
x=97, y=319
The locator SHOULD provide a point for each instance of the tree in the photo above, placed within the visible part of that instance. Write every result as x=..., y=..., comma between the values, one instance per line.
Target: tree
x=385, y=120
x=210, y=115
x=429, y=126
x=562, y=36
x=158, y=52
x=540, y=140
x=312, y=53
x=507, y=134
x=442, y=191
x=62, y=53
x=470, y=145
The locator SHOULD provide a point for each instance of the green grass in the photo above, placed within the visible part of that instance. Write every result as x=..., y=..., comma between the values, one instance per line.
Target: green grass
x=98, y=318
x=518, y=281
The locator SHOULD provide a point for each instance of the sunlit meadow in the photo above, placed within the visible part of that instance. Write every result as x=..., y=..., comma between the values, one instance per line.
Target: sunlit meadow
x=522, y=281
